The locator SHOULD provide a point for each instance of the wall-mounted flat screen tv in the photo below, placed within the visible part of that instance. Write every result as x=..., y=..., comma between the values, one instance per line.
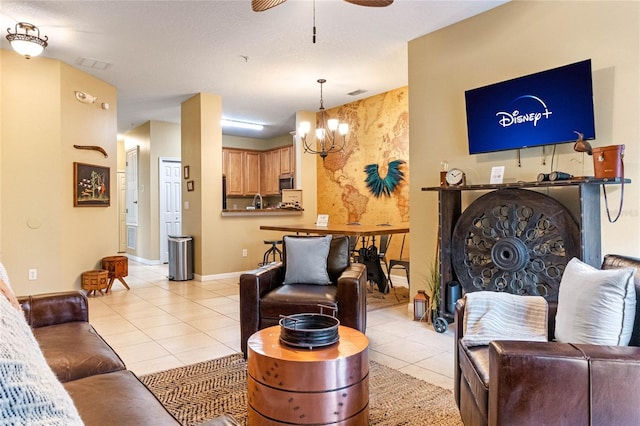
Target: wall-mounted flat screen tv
x=544, y=108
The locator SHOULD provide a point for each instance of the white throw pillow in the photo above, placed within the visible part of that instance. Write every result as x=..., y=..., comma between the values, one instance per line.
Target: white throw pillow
x=595, y=306
x=306, y=260
x=30, y=393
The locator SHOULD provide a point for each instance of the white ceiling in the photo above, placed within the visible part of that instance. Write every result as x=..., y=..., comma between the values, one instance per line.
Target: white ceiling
x=264, y=65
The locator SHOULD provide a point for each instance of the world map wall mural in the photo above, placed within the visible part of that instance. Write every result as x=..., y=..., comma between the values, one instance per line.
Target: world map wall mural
x=368, y=182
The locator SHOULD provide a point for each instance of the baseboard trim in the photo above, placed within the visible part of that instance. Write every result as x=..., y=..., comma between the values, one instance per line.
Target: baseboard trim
x=143, y=260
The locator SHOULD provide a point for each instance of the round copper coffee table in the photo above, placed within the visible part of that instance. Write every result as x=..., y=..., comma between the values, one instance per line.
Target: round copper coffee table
x=289, y=385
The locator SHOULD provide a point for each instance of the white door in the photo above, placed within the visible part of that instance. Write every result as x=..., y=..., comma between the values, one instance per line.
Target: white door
x=132, y=186
x=170, y=203
x=122, y=212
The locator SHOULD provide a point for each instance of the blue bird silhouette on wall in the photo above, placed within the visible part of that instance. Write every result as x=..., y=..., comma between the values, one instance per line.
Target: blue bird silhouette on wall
x=384, y=186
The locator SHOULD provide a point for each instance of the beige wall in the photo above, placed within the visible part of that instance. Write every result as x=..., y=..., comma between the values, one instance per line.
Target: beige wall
x=41, y=228
x=257, y=144
x=155, y=140
x=516, y=39
x=160, y=139
x=218, y=240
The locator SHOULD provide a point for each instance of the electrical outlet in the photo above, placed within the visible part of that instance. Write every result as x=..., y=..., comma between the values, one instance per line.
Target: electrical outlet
x=244, y=253
x=33, y=274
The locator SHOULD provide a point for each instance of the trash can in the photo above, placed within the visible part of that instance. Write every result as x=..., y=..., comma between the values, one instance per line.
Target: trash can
x=180, y=258
x=453, y=294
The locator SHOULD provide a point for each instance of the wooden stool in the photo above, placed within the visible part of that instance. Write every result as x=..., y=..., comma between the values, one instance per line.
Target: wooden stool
x=96, y=280
x=118, y=267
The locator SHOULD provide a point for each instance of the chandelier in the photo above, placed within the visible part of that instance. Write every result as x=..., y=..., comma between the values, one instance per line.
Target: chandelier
x=325, y=132
x=26, y=44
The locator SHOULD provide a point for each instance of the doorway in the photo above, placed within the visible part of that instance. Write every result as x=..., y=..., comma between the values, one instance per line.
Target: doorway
x=170, y=200
x=122, y=211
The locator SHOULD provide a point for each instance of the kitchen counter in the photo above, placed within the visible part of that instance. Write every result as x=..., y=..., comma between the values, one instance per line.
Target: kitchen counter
x=261, y=212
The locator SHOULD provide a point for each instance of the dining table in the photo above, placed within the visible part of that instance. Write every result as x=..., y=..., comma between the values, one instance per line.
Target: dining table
x=367, y=253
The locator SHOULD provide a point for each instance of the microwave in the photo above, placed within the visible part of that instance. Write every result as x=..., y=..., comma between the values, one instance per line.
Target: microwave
x=285, y=182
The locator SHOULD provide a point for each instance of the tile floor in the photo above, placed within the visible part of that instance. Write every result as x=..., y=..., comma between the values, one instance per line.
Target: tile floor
x=161, y=324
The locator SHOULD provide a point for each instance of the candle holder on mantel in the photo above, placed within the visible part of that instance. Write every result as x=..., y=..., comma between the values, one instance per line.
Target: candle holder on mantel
x=421, y=306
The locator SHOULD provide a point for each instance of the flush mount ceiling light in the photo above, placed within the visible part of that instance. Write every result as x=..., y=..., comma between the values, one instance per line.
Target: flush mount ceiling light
x=240, y=124
x=26, y=44
x=325, y=132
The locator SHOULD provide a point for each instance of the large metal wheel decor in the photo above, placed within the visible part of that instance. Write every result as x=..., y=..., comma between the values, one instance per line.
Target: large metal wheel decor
x=515, y=241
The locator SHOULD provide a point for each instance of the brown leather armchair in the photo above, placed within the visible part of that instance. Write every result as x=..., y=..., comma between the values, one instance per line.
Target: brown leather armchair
x=549, y=383
x=263, y=297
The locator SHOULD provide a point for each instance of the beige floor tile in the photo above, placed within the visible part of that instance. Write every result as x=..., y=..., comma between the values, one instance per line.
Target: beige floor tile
x=226, y=291
x=225, y=334
x=146, y=312
x=386, y=360
x=155, y=365
x=408, y=351
x=215, y=302
x=165, y=298
x=428, y=376
x=139, y=352
x=170, y=330
x=110, y=326
x=441, y=363
x=128, y=338
x=154, y=321
x=185, y=305
x=150, y=292
x=188, y=342
x=196, y=313
x=380, y=337
x=211, y=323
x=205, y=354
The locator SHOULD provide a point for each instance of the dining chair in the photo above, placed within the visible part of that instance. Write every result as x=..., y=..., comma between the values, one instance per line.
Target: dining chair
x=401, y=262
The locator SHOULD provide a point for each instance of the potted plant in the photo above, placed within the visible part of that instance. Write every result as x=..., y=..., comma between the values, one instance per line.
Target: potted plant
x=433, y=286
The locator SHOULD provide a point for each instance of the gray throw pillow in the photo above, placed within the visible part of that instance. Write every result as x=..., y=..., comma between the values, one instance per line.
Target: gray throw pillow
x=595, y=306
x=306, y=260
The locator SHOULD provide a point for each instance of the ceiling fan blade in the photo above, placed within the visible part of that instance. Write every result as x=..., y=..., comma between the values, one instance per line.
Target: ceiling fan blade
x=371, y=3
x=262, y=5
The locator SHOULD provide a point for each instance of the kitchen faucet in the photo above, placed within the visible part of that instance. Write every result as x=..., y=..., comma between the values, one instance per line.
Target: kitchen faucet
x=259, y=204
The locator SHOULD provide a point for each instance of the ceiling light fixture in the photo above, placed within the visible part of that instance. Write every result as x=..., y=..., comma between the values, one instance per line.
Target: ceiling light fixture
x=241, y=124
x=325, y=131
x=28, y=45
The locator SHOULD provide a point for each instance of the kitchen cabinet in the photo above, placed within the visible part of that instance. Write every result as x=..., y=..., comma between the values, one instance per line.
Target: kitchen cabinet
x=232, y=165
x=270, y=169
x=286, y=160
x=242, y=169
x=250, y=172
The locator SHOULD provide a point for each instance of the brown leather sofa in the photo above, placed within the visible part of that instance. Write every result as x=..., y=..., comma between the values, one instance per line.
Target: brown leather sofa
x=102, y=389
x=549, y=383
x=263, y=297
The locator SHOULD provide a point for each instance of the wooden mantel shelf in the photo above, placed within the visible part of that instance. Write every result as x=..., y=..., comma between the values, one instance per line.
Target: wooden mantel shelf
x=544, y=184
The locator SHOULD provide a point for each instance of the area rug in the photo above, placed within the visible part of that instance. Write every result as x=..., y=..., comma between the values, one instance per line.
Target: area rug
x=376, y=300
x=199, y=392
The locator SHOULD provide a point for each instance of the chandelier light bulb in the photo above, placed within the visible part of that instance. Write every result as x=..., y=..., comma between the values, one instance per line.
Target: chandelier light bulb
x=304, y=128
x=332, y=123
x=320, y=133
x=343, y=129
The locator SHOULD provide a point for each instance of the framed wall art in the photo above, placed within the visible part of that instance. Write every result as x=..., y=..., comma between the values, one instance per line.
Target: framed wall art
x=189, y=185
x=91, y=185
